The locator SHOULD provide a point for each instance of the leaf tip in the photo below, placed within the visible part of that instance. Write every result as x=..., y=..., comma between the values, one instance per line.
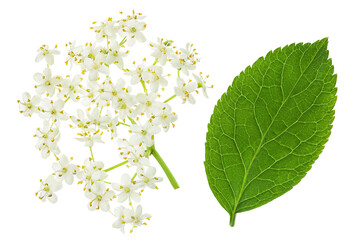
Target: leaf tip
x=324, y=41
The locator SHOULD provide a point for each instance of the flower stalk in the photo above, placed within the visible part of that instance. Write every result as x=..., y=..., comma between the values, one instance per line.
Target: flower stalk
x=115, y=166
x=165, y=168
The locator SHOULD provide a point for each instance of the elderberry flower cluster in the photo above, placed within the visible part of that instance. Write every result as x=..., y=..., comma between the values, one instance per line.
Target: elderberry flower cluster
x=104, y=89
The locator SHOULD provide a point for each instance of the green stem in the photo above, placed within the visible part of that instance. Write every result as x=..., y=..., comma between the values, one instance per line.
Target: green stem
x=144, y=87
x=123, y=41
x=122, y=124
x=156, y=60
x=172, y=97
x=92, y=155
x=132, y=120
x=67, y=99
x=179, y=72
x=232, y=219
x=116, y=166
x=132, y=179
x=165, y=168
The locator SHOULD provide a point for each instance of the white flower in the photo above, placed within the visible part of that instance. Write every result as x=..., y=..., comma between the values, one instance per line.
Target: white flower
x=89, y=51
x=48, y=138
x=105, y=29
x=124, y=106
x=147, y=104
x=133, y=30
x=48, y=187
x=64, y=169
x=137, y=218
x=97, y=119
x=53, y=110
x=147, y=178
x=130, y=216
x=113, y=91
x=90, y=137
x=91, y=93
x=143, y=133
x=74, y=53
x=162, y=50
x=164, y=117
x=154, y=76
x=92, y=174
x=28, y=105
x=120, y=214
x=200, y=79
x=115, y=55
x=96, y=65
x=136, y=74
x=99, y=96
x=185, y=59
x=135, y=155
x=184, y=90
x=80, y=121
x=71, y=88
x=112, y=127
x=125, y=148
x=46, y=83
x=48, y=54
x=100, y=197
x=127, y=189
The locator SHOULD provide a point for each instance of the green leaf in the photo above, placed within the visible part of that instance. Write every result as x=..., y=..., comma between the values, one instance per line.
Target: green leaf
x=270, y=126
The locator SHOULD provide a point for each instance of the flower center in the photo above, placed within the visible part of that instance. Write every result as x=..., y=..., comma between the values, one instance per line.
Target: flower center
x=156, y=77
x=46, y=189
x=164, y=116
x=143, y=132
x=45, y=135
x=53, y=111
x=114, y=93
x=29, y=105
x=146, y=180
x=123, y=106
x=133, y=29
x=126, y=189
x=99, y=198
x=186, y=93
x=47, y=83
x=71, y=87
x=148, y=103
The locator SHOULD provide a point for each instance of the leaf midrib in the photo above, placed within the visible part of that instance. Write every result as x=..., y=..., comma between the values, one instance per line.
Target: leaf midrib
x=264, y=135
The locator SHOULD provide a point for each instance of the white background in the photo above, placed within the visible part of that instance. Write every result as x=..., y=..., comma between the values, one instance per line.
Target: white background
x=229, y=35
